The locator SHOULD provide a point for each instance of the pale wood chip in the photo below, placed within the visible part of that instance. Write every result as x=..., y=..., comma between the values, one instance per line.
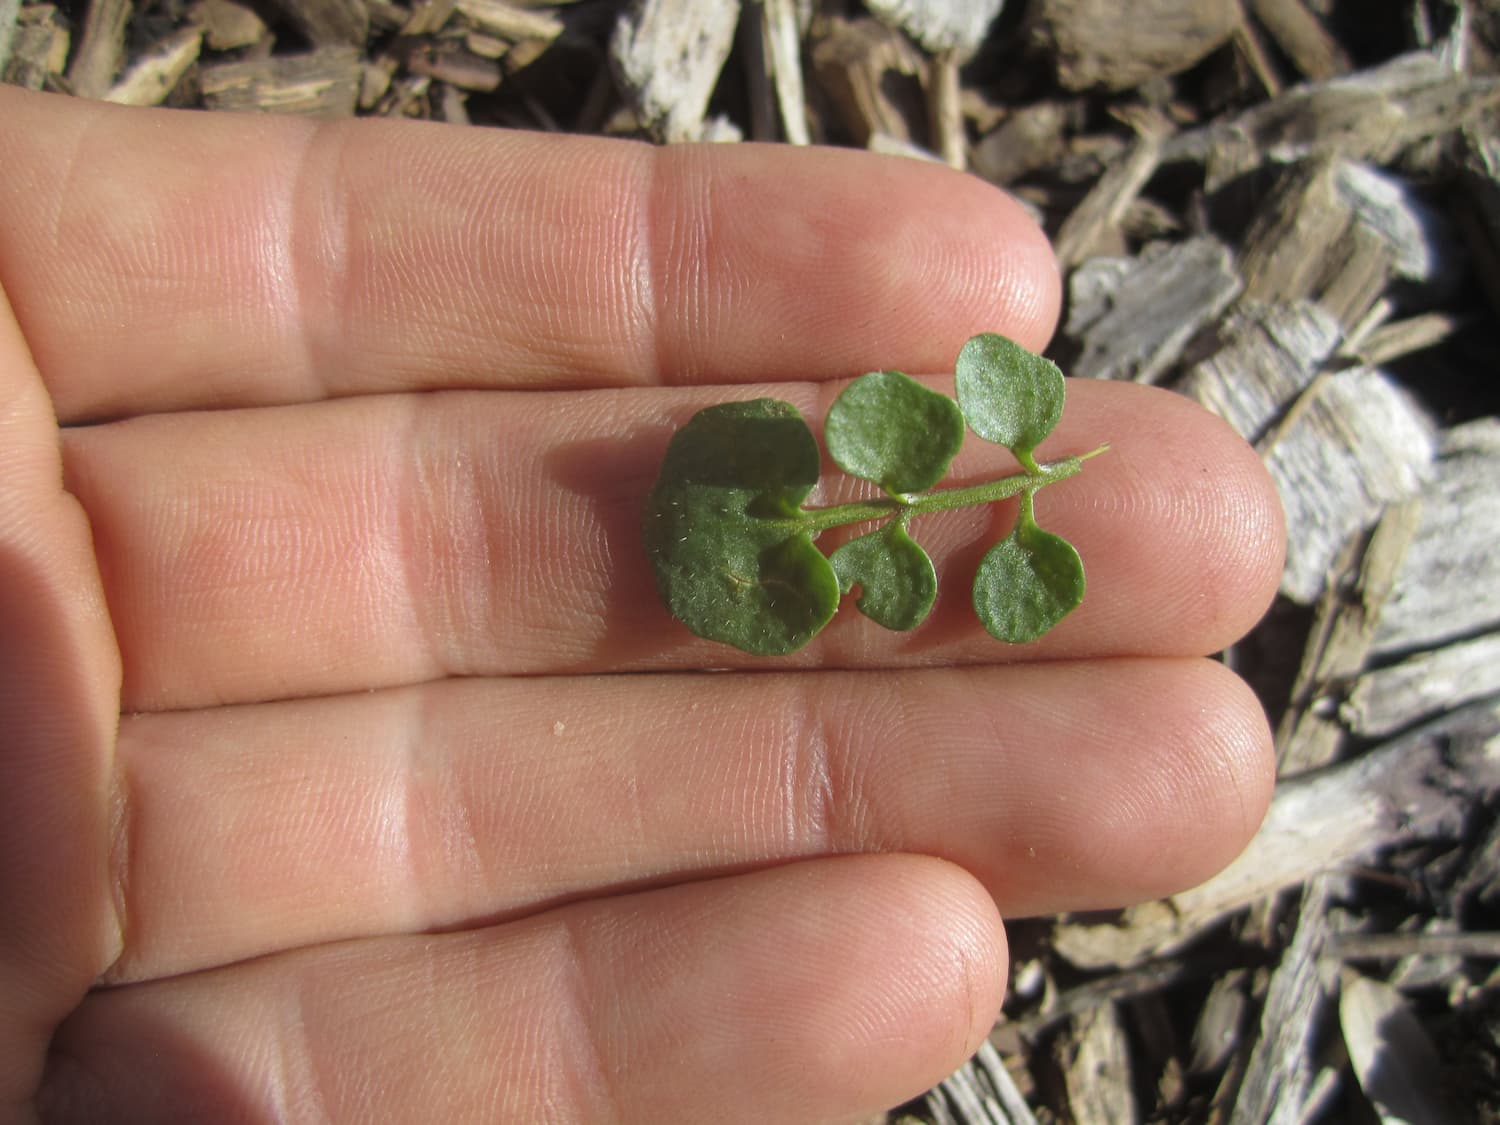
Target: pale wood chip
x=1132, y=318
x=1353, y=443
x=1113, y=46
x=323, y=83
x=101, y=50
x=940, y=25
x=1262, y=357
x=510, y=21
x=1449, y=586
x=154, y=76
x=669, y=54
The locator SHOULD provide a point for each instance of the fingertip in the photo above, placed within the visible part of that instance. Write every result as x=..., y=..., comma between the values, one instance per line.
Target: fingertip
x=915, y=980
x=814, y=991
x=1194, y=795
x=1180, y=525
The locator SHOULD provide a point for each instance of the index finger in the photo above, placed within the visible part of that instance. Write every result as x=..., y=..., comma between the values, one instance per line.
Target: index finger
x=161, y=260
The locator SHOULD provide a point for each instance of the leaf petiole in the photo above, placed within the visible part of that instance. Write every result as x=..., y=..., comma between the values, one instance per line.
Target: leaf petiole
x=816, y=520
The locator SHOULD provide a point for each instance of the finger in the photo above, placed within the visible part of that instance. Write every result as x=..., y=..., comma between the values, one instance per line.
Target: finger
x=813, y=992
x=1061, y=787
x=59, y=679
x=363, y=544
x=175, y=260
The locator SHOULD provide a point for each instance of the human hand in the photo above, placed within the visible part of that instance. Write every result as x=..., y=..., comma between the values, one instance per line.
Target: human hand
x=376, y=838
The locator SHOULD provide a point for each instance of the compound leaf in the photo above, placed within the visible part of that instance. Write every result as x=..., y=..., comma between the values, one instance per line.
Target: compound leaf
x=1027, y=583
x=888, y=428
x=896, y=578
x=720, y=529
x=1007, y=394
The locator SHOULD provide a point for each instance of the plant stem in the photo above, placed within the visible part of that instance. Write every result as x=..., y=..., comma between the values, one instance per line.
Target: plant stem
x=815, y=520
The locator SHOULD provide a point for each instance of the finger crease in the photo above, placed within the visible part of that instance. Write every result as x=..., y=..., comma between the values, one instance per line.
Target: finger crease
x=605, y=1105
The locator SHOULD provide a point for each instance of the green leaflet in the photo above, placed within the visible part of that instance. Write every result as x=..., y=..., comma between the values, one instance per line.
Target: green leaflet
x=1008, y=395
x=896, y=578
x=732, y=547
x=729, y=563
x=888, y=428
x=1027, y=582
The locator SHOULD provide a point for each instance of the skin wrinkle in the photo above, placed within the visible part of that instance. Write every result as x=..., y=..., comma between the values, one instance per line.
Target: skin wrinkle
x=642, y=294
x=316, y=253
x=603, y=1093
x=705, y=283
x=124, y=828
x=460, y=852
x=667, y=250
x=414, y=501
x=808, y=801
x=297, y=1042
x=848, y=815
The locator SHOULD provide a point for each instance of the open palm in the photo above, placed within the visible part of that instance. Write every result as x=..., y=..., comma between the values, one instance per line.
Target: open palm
x=323, y=796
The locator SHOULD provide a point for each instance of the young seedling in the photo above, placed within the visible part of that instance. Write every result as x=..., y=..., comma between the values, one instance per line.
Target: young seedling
x=732, y=546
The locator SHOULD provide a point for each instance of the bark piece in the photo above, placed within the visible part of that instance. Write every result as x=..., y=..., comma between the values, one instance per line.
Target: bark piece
x=228, y=26
x=1372, y=115
x=38, y=50
x=1423, y=247
x=781, y=34
x=510, y=21
x=10, y=11
x=1390, y=698
x=1265, y=356
x=102, y=48
x=1427, y=943
x=1100, y=43
x=1102, y=210
x=869, y=72
x=451, y=62
x=154, y=76
x=1400, y=338
x=982, y=1090
x=323, y=83
x=1352, y=444
x=1421, y=785
x=1301, y=37
x=940, y=25
x=945, y=110
x=669, y=54
x=1030, y=139
x=1095, y=1061
x=1338, y=232
x=329, y=23
x=1395, y=1060
x=1338, y=645
x=1279, y=1082
x=1449, y=586
x=1216, y=1033
x=1132, y=317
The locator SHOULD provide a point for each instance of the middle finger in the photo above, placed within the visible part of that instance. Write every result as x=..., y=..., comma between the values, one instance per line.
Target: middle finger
x=260, y=554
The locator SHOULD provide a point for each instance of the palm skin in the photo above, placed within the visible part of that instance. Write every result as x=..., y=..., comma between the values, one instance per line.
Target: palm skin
x=322, y=451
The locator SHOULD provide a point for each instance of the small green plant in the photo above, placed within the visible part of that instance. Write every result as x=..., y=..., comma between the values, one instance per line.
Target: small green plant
x=732, y=546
